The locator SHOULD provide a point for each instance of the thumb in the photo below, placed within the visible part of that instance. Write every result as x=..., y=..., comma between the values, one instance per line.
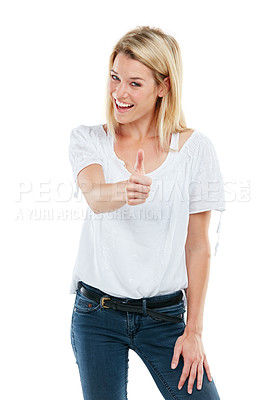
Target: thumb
x=139, y=165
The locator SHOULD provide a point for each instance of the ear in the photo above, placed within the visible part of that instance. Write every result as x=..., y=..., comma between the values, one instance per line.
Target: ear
x=163, y=90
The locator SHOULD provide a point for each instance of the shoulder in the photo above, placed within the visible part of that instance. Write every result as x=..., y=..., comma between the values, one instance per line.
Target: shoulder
x=195, y=133
x=90, y=133
x=197, y=146
x=199, y=140
x=205, y=144
x=202, y=151
x=192, y=140
x=184, y=136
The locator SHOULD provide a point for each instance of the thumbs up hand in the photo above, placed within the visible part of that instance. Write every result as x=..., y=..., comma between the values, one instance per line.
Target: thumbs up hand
x=139, y=185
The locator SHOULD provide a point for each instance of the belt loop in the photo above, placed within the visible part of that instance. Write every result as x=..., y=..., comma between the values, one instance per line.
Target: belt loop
x=144, y=307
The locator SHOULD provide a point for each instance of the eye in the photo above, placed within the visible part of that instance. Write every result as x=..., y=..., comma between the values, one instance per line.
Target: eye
x=114, y=76
x=137, y=84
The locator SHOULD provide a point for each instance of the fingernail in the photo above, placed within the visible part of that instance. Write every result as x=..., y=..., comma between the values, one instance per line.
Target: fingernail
x=199, y=387
x=189, y=391
x=173, y=365
x=179, y=387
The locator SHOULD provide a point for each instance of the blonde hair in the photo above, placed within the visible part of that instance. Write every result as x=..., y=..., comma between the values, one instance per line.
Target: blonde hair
x=161, y=54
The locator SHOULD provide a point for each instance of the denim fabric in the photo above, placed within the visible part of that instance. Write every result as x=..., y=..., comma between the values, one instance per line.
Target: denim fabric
x=101, y=338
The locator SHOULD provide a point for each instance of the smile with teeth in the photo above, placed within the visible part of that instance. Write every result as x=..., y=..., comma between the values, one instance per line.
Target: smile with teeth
x=123, y=105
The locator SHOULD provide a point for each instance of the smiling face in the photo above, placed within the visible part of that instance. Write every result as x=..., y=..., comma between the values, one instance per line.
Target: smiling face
x=124, y=86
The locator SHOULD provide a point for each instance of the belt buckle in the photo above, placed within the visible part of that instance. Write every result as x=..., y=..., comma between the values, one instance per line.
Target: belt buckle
x=102, y=301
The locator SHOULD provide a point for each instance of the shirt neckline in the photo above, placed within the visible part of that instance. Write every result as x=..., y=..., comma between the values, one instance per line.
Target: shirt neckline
x=173, y=144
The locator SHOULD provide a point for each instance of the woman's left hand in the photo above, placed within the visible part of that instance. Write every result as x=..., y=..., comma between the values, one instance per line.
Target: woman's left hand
x=191, y=346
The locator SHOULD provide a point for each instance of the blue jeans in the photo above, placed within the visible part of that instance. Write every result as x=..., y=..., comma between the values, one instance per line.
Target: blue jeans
x=101, y=338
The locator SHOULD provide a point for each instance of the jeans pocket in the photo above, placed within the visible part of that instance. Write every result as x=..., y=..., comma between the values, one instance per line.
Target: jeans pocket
x=84, y=305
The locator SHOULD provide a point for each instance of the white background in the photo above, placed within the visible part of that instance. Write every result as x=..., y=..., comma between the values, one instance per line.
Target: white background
x=53, y=77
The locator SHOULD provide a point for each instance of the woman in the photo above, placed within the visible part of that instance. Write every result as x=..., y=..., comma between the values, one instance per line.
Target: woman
x=144, y=254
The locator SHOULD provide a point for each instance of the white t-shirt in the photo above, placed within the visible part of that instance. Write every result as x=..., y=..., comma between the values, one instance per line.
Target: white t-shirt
x=139, y=251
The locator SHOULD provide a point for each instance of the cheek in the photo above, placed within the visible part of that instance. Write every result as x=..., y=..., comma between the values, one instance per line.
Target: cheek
x=146, y=101
x=111, y=86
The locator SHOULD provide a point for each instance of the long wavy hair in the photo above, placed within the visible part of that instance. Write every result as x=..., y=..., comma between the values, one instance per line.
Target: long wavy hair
x=159, y=52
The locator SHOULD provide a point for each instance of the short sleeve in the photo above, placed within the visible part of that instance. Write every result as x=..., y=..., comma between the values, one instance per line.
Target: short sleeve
x=84, y=150
x=206, y=189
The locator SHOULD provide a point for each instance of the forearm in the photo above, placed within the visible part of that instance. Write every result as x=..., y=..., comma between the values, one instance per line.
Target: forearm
x=107, y=197
x=198, y=269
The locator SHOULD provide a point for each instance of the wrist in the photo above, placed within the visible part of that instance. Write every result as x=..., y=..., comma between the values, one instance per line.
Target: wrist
x=119, y=191
x=194, y=328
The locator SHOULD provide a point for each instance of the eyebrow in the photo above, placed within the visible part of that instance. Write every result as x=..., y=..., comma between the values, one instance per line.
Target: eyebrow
x=129, y=78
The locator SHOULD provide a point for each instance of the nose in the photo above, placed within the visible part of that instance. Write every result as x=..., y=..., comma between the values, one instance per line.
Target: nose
x=121, y=91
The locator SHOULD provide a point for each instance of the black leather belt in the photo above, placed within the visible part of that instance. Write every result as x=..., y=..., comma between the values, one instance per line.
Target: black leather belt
x=135, y=305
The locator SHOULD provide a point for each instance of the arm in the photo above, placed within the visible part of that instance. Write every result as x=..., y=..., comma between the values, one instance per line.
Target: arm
x=190, y=344
x=198, y=254
x=100, y=196
x=106, y=197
